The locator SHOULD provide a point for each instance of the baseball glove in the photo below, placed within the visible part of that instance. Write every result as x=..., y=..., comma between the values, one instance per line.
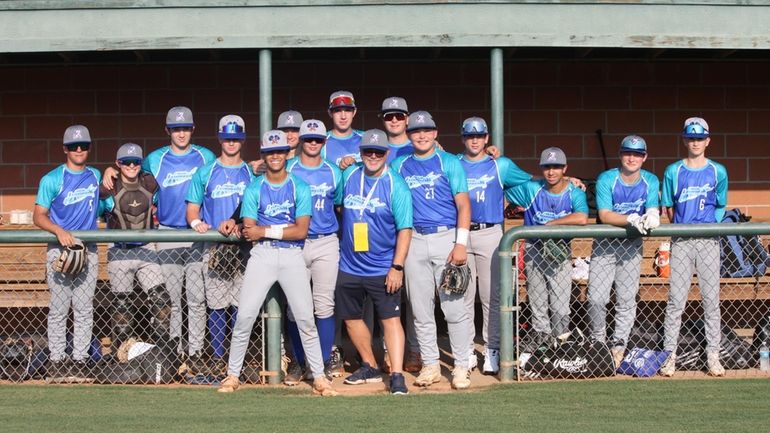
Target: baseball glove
x=124, y=348
x=225, y=259
x=455, y=279
x=72, y=259
x=556, y=250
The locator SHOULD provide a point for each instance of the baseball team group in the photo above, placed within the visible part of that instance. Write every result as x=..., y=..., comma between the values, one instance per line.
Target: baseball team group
x=356, y=228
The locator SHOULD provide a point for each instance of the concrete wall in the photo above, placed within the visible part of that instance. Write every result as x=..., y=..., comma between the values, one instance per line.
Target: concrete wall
x=559, y=103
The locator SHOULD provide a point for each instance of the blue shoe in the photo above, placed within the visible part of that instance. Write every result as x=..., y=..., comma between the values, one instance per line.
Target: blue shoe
x=397, y=384
x=364, y=374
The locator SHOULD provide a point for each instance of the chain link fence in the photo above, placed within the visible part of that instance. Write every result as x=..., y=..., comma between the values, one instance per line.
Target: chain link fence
x=139, y=312
x=610, y=305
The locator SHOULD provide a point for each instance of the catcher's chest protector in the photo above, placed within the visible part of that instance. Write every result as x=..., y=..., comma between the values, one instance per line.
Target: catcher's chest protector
x=133, y=203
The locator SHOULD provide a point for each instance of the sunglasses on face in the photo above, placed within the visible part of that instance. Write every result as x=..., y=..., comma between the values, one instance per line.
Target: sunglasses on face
x=373, y=153
x=397, y=116
x=313, y=140
x=131, y=162
x=74, y=146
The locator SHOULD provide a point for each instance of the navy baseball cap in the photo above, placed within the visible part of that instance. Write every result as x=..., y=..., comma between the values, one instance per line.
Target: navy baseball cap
x=179, y=117
x=231, y=127
x=475, y=126
x=695, y=127
x=312, y=128
x=374, y=139
x=420, y=120
x=634, y=143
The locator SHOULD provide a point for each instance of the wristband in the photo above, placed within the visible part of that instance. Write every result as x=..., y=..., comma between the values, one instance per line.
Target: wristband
x=195, y=223
x=462, y=236
x=274, y=232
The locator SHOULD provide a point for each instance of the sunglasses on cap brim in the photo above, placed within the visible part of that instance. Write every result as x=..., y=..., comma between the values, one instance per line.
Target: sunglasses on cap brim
x=342, y=102
x=695, y=130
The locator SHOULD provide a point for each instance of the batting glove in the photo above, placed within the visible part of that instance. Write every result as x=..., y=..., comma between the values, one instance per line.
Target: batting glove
x=635, y=220
x=651, y=219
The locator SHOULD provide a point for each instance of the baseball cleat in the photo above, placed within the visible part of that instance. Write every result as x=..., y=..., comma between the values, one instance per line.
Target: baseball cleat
x=669, y=367
x=461, y=378
x=294, y=374
x=429, y=375
x=322, y=387
x=337, y=361
x=413, y=363
x=230, y=384
x=714, y=365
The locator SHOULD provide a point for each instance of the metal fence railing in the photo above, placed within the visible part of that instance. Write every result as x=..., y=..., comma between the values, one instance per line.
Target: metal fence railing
x=150, y=307
x=600, y=300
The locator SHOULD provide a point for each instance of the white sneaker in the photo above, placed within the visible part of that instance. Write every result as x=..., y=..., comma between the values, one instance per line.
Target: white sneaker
x=715, y=367
x=461, y=378
x=669, y=367
x=491, y=361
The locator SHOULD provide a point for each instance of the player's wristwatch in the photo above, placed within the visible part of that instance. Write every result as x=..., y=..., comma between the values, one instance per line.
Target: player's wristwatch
x=399, y=268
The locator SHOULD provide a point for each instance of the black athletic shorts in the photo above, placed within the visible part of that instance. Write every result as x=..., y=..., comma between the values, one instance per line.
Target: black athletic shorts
x=352, y=290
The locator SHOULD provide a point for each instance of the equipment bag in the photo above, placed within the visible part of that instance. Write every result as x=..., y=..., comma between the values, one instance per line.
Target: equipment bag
x=640, y=362
x=575, y=357
x=742, y=256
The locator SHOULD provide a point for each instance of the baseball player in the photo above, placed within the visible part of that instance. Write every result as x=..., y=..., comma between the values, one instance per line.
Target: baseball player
x=289, y=122
x=322, y=246
x=128, y=206
x=551, y=201
x=276, y=214
x=627, y=195
x=442, y=213
x=394, y=115
x=342, y=141
x=215, y=191
x=68, y=199
x=376, y=231
x=173, y=166
x=487, y=179
x=694, y=192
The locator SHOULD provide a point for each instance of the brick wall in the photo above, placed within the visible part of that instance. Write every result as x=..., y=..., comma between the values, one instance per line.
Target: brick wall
x=547, y=104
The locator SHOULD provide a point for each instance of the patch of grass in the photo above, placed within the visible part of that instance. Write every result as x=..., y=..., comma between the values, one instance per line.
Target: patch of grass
x=591, y=406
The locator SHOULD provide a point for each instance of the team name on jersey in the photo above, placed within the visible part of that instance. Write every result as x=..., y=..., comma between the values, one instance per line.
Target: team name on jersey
x=625, y=208
x=228, y=189
x=479, y=182
x=178, y=177
x=417, y=181
x=320, y=190
x=356, y=202
x=693, y=192
x=542, y=217
x=80, y=194
x=275, y=209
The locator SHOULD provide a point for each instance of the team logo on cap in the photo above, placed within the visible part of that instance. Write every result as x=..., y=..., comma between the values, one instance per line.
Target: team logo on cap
x=180, y=115
x=375, y=138
x=394, y=103
x=420, y=118
x=290, y=119
x=77, y=134
x=551, y=156
x=131, y=150
x=273, y=139
x=312, y=126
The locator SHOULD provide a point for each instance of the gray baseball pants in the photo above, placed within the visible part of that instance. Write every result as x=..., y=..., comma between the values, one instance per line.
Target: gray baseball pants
x=549, y=284
x=424, y=264
x=124, y=264
x=485, y=265
x=688, y=255
x=618, y=261
x=322, y=261
x=182, y=265
x=221, y=290
x=266, y=266
x=77, y=291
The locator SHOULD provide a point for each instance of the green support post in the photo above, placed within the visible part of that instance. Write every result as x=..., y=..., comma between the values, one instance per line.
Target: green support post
x=496, y=98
